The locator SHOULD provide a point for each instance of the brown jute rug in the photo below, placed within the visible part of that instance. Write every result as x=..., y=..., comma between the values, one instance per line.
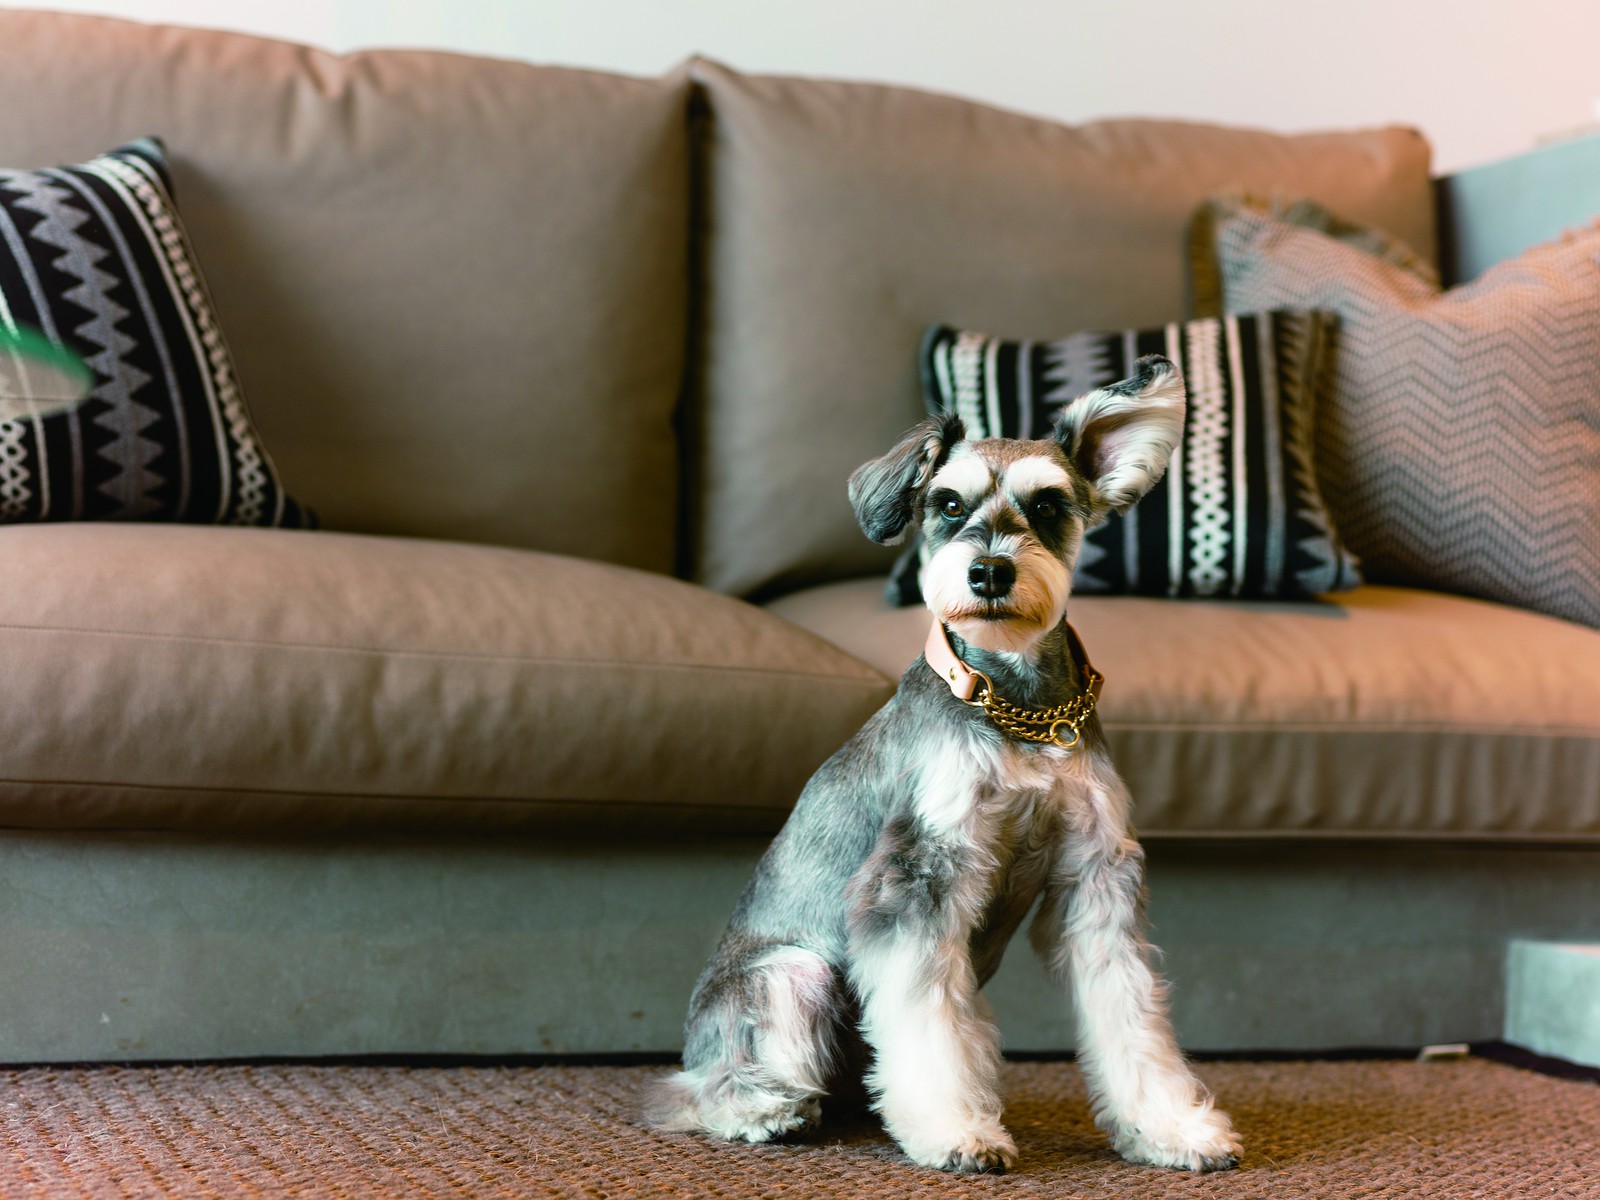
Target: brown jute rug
x=1328, y=1130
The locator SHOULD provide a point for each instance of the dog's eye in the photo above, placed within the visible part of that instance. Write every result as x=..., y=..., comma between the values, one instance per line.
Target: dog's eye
x=1044, y=509
x=952, y=509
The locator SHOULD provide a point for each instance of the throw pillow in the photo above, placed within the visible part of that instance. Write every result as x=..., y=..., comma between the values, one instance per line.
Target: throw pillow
x=94, y=257
x=1459, y=444
x=1238, y=513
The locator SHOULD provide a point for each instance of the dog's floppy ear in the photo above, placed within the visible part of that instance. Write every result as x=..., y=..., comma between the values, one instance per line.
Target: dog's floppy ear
x=887, y=492
x=1122, y=436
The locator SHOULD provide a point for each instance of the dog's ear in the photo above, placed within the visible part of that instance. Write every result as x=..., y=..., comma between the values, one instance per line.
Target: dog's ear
x=1122, y=436
x=887, y=492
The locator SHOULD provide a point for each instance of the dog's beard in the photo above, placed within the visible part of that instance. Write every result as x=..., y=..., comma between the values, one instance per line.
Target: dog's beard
x=1012, y=624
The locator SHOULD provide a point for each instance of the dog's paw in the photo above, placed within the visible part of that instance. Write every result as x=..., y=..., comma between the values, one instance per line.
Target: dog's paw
x=1200, y=1140
x=982, y=1160
x=778, y=1122
x=985, y=1151
x=764, y=1123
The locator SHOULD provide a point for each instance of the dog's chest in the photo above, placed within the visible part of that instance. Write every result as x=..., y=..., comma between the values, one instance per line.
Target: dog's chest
x=978, y=786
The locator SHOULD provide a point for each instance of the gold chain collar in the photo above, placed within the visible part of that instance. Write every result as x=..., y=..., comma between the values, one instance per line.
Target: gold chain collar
x=1040, y=725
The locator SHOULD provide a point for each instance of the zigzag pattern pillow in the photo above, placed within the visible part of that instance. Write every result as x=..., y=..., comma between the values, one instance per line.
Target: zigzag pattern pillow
x=1459, y=439
x=94, y=257
x=1238, y=513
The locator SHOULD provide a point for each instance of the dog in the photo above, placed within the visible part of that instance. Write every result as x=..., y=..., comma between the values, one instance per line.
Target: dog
x=982, y=787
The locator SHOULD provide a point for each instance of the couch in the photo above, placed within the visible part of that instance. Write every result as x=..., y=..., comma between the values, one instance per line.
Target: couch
x=573, y=368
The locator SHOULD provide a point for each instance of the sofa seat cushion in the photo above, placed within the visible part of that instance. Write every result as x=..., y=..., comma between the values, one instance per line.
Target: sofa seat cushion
x=1386, y=712
x=167, y=677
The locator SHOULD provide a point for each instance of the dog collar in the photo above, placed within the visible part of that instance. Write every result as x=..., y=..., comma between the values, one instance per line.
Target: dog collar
x=973, y=687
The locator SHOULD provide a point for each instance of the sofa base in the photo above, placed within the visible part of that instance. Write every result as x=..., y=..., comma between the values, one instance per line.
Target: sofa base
x=147, y=947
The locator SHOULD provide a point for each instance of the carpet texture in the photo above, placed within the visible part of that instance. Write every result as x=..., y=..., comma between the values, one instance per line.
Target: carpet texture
x=1328, y=1130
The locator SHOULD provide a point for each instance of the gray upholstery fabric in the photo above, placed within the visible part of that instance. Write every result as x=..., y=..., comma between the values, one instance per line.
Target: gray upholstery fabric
x=164, y=946
x=182, y=677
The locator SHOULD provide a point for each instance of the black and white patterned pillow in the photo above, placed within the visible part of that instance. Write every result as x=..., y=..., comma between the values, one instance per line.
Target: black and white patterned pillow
x=1238, y=513
x=94, y=258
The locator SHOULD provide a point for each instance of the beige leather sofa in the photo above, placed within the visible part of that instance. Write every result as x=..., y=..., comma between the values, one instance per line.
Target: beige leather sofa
x=573, y=368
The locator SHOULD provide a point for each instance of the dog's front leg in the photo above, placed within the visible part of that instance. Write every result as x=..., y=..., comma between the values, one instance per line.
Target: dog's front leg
x=936, y=1072
x=1143, y=1092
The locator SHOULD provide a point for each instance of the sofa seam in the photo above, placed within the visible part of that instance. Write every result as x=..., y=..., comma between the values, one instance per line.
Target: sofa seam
x=309, y=794
x=1544, y=732
x=1207, y=834
x=875, y=681
x=198, y=790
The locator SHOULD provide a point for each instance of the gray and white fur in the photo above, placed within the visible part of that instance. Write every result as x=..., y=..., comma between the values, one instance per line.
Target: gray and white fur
x=916, y=851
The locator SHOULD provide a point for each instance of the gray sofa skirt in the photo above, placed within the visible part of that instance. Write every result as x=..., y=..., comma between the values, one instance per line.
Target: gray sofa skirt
x=165, y=946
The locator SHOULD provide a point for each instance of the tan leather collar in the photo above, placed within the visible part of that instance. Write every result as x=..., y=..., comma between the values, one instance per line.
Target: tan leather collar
x=1025, y=724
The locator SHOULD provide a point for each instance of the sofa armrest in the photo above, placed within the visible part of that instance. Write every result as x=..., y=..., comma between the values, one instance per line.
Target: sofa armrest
x=1494, y=212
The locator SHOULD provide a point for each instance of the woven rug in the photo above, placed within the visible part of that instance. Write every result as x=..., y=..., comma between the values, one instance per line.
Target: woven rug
x=1329, y=1130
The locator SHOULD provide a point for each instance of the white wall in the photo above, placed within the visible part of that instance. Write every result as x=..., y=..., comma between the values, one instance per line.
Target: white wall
x=1482, y=78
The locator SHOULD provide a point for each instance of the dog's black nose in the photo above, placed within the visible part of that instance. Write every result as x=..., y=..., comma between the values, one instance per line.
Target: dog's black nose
x=991, y=578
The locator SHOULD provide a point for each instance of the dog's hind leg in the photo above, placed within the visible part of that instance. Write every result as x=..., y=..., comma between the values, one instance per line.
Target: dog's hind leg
x=761, y=1039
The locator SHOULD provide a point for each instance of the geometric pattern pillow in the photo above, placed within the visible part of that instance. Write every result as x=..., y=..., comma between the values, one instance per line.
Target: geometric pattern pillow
x=1459, y=443
x=93, y=257
x=1238, y=513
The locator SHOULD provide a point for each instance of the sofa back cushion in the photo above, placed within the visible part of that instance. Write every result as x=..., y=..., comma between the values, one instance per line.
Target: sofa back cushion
x=455, y=288
x=842, y=219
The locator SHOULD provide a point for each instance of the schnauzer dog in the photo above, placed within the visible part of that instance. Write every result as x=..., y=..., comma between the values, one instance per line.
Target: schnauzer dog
x=982, y=786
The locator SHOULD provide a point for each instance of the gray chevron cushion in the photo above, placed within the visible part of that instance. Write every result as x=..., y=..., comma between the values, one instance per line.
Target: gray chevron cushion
x=95, y=258
x=1459, y=447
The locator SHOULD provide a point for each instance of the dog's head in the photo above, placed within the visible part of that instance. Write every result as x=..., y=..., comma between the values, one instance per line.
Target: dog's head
x=1003, y=520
